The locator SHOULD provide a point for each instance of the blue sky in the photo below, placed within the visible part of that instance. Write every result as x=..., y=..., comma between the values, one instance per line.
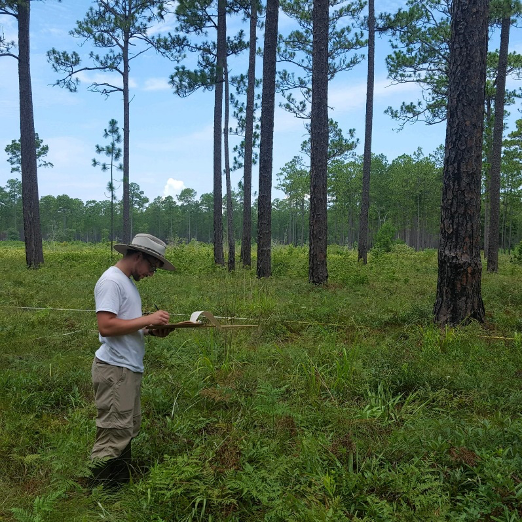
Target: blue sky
x=171, y=137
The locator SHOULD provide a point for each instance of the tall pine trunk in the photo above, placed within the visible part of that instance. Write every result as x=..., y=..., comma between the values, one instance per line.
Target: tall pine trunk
x=230, y=209
x=496, y=156
x=459, y=296
x=219, y=257
x=30, y=200
x=367, y=159
x=246, y=239
x=318, y=271
x=264, y=220
x=126, y=143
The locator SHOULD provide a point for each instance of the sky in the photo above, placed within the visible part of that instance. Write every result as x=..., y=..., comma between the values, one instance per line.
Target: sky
x=171, y=138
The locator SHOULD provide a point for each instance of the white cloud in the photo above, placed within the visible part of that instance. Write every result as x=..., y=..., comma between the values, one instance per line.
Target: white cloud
x=66, y=151
x=8, y=29
x=349, y=97
x=9, y=103
x=286, y=23
x=200, y=140
x=168, y=24
x=173, y=187
x=516, y=47
x=72, y=173
x=156, y=84
x=392, y=6
x=104, y=78
x=344, y=98
x=287, y=122
x=387, y=88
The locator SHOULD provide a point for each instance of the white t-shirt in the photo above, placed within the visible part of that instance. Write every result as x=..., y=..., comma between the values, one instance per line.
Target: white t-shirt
x=116, y=293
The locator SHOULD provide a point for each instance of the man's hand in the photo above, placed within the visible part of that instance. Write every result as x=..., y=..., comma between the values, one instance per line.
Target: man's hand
x=158, y=318
x=160, y=332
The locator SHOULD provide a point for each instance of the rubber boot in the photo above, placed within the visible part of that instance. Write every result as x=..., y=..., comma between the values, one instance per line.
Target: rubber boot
x=122, y=469
x=103, y=474
x=114, y=473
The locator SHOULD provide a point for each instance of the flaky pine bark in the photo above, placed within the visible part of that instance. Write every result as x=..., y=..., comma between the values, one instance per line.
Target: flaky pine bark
x=367, y=159
x=126, y=141
x=29, y=166
x=318, y=271
x=264, y=220
x=246, y=238
x=230, y=209
x=487, y=159
x=459, y=296
x=219, y=257
x=496, y=155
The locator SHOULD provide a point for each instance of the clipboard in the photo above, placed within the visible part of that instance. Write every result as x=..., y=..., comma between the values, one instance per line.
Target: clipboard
x=194, y=322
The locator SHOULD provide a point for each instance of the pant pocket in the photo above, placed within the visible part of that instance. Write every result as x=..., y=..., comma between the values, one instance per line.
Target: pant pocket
x=114, y=395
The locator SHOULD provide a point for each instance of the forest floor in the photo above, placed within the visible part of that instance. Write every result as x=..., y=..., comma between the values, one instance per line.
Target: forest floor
x=345, y=402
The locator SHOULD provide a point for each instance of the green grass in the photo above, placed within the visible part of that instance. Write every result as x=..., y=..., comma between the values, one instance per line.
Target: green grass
x=346, y=403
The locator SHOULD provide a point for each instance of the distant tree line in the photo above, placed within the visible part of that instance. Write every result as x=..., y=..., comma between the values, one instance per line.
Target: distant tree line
x=405, y=195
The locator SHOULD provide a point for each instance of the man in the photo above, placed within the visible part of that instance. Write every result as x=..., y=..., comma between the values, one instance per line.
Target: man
x=118, y=365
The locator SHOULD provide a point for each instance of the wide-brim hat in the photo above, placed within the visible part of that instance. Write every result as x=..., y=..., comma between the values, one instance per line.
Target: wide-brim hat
x=149, y=245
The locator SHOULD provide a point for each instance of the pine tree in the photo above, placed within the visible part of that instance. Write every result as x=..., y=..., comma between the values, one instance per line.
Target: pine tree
x=367, y=163
x=113, y=152
x=459, y=296
x=121, y=27
x=246, y=238
x=21, y=11
x=317, y=270
x=264, y=220
x=506, y=10
x=14, y=153
x=196, y=18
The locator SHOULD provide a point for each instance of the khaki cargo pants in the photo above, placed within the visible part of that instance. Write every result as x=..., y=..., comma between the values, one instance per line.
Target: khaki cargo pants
x=117, y=395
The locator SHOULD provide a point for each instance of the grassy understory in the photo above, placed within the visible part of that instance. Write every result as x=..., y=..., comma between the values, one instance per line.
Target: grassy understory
x=346, y=403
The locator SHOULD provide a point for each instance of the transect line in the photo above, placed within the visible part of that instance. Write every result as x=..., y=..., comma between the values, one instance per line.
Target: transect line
x=85, y=310
x=228, y=318
x=179, y=315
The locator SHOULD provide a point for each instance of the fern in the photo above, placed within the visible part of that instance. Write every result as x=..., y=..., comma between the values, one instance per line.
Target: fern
x=42, y=506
